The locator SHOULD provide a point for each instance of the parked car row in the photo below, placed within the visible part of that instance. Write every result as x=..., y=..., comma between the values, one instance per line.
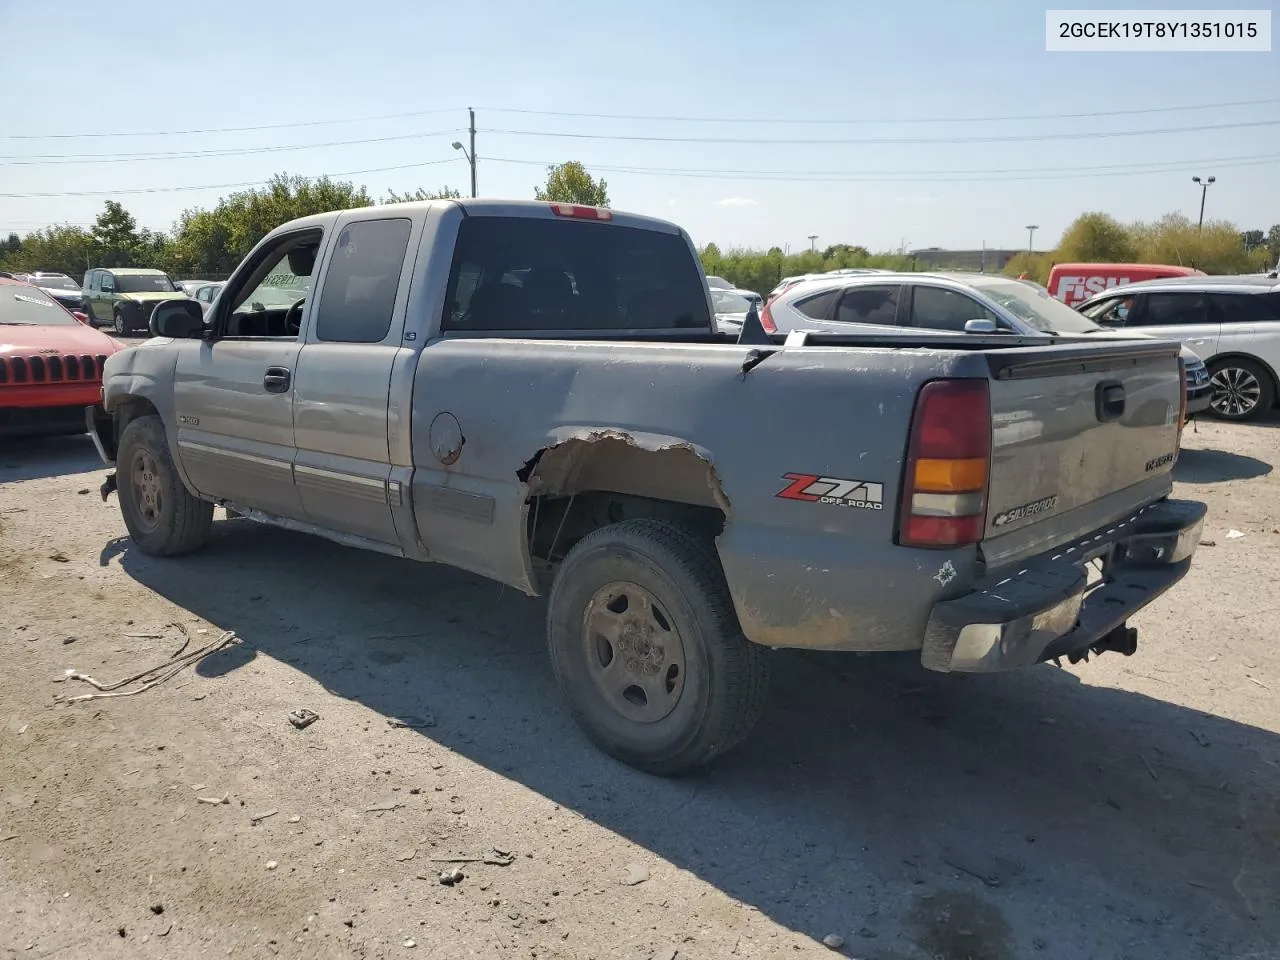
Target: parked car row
x=1229, y=327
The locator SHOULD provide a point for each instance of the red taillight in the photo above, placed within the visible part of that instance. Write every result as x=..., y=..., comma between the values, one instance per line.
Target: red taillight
x=944, y=486
x=580, y=212
x=766, y=320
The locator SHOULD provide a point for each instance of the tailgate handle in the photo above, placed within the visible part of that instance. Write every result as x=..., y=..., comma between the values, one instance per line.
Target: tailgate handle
x=1109, y=400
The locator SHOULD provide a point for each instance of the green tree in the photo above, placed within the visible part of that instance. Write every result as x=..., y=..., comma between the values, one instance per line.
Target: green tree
x=213, y=242
x=116, y=233
x=12, y=244
x=444, y=193
x=1096, y=238
x=1252, y=239
x=1273, y=241
x=64, y=249
x=1217, y=248
x=570, y=183
x=1035, y=265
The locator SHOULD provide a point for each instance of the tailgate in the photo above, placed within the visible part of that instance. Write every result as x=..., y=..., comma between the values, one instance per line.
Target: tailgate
x=1073, y=427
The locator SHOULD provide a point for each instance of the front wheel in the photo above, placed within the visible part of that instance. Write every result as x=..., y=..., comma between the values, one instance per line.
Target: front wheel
x=162, y=516
x=1242, y=389
x=119, y=324
x=87, y=307
x=647, y=649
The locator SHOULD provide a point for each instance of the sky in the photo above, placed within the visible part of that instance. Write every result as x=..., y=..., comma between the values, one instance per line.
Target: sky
x=651, y=97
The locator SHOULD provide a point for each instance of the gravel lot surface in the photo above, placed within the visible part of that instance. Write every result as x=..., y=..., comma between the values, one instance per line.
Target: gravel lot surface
x=1123, y=808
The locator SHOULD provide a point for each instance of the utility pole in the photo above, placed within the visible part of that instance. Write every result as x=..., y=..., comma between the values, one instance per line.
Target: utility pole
x=1031, y=236
x=470, y=155
x=1204, y=188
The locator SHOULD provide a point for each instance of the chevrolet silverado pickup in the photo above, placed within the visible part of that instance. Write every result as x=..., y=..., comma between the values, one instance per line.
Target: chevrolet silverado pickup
x=536, y=393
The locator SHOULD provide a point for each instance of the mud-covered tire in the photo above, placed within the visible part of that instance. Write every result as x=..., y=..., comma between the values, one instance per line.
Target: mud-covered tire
x=162, y=516
x=723, y=680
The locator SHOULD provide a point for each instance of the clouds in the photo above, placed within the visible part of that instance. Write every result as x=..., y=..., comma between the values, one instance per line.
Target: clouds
x=737, y=202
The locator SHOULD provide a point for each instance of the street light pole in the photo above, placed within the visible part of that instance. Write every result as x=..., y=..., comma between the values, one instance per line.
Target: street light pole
x=1204, y=188
x=813, y=237
x=471, y=155
x=1031, y=236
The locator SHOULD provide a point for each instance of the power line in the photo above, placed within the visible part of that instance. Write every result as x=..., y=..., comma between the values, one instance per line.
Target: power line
x=908, y=177
x=864, y=120
x=222, y=186
x=1146, y=166
x=793, y=141
x=264, y=126
x=55, y=159
x=784, y=176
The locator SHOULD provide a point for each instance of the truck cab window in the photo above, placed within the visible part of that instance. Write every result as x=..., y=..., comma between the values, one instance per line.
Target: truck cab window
x=270, y=301
x=360, y=286
x=535, y=274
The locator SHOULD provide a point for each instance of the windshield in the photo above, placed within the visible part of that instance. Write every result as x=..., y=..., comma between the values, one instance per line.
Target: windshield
x=1034, y=306
x=143, y=283
x=727, y=302
x=29, y=307
x=55, y=283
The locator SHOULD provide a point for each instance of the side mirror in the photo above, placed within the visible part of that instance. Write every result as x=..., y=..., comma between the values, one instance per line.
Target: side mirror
x=81, y=316
x=177, y=319
x=980, y=326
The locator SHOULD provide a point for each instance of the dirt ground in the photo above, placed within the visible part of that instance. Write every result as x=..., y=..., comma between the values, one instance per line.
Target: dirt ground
x=1124, y=808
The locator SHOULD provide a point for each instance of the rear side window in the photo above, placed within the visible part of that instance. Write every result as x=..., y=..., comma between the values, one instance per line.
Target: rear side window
x=819, y=305
x=360, y=286
x=872, y=304
x=936, y=309
x=525, y=273
x=1172, y=309
x=1246, y=307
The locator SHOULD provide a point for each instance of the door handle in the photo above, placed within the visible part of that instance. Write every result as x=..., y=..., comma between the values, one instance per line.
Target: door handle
x=1108, y=401
x=277, y=380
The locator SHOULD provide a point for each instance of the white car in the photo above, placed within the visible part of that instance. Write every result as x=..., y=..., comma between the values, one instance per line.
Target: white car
x=1232, y=322
x=719, y=283
x=731, y=309
x=936, y=303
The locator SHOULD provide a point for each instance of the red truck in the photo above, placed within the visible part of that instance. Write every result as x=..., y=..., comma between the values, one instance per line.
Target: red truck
x=1073, y=283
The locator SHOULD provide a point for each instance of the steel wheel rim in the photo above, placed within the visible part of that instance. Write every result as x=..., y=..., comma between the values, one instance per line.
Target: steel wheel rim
x=144, y=477
x=633, y=651
x=119, y=324
x=1236, y=391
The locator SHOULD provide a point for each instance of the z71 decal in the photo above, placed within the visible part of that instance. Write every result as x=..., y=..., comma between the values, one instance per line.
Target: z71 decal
x=1024, y=511
x=811, y=488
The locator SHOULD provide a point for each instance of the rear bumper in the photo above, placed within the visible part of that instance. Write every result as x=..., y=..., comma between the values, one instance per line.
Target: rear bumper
x=1051, y=609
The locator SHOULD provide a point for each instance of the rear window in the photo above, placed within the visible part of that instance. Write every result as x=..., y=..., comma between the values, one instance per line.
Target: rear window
x=27, y=306
x=817, y=307
x=143, y=283
x=1247, y=307
x=523, y=273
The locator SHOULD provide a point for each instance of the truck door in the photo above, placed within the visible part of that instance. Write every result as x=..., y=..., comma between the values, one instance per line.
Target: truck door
x=341, y=411
x=234, y=393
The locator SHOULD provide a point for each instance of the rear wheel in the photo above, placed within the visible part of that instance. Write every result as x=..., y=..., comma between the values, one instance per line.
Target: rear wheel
x=647, y=649
x=87, y=307
x=1242, y=389
x=119, y=324
x=162, y=516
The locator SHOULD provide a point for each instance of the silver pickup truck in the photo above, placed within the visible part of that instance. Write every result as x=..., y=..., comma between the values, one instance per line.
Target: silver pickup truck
x=536, y=393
